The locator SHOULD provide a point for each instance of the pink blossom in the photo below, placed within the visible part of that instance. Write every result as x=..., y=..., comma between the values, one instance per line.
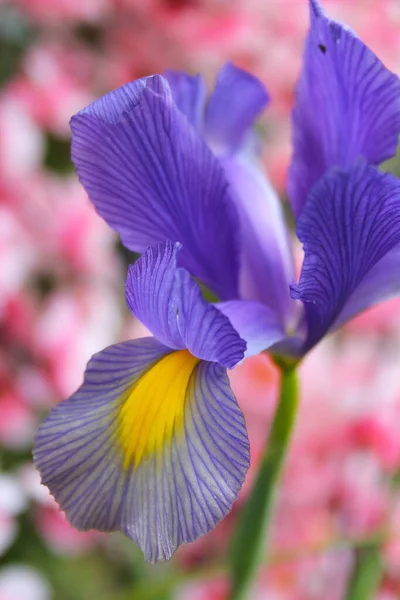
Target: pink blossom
x=16, y=255
x=21, y=139
x=19, y=581
x=72, y=327
x=12, y=502
x=17, y=422
x=55, y=530
x=52, y=11
x=49, y=87
x=215, y=589
x=370, y=432
x=8, y=532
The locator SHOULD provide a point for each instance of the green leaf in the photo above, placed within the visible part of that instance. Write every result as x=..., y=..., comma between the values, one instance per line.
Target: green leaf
x=367, y=573
x=57, y=155
x=16, y=34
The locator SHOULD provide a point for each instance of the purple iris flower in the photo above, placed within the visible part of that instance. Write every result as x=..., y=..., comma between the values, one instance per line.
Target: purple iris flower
x=153, y=443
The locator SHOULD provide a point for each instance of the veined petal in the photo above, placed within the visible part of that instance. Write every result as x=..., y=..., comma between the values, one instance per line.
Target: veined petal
x=266, y=262
x=255, y=322
x=349, y=227
x=152, y=177
x=189, y=94
x=381, y=283
x=153, y=444
x=165, y=299
x=237, y=100
x=347, y=106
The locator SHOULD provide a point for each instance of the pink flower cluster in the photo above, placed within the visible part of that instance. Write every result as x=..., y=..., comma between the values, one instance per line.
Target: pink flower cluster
x=61, y=288
x=60, y=279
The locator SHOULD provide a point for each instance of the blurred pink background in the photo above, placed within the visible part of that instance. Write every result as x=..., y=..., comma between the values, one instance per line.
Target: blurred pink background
x=61, y=299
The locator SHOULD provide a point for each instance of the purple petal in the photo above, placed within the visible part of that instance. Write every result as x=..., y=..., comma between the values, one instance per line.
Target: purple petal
x=178, y=490
x=349, y=226
x=237, y=100
x=257, y=324
x=266, y=263
x=347, y=105
x=170, y=304
x=151, y=177
x=381, y=283
x=189, y=95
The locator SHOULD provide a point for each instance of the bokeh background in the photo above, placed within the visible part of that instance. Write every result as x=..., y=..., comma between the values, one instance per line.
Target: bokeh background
x=61, y=299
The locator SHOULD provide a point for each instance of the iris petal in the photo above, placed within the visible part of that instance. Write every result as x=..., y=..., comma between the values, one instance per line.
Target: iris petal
x=151, y=177
x=347, y=106
x=349, y=227
x=381, y=283
x=152, y=413
x=237, y=100
x=169, y=303
x=266, y=262
x=189, y=94
x=163, y=490
x=255, y=322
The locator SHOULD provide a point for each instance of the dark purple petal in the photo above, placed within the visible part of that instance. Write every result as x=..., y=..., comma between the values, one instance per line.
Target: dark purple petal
x=237, y=100
x=257, y=324
x=151, y=177
x=266, y=262
x=174, y=494
x=347, y=106
x=349, y=227
x=189, y=94
x=381, y=283
x=170, y=304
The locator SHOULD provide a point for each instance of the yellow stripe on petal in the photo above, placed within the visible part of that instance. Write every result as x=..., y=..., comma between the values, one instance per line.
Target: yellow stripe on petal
x=154, y=407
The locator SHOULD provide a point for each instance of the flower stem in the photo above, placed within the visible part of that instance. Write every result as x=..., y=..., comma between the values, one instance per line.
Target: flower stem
x=248, y=544
x=367, y=573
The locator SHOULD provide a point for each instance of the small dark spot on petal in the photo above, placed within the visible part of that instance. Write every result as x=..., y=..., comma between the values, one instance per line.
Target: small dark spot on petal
x=322, y=48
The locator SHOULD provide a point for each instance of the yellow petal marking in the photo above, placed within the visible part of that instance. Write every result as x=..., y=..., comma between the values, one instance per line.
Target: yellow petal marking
x=153, y=409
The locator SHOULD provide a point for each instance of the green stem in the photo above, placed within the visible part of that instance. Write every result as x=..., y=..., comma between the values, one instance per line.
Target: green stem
x=249, y=539
x=368, y=568
x=367, y=573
